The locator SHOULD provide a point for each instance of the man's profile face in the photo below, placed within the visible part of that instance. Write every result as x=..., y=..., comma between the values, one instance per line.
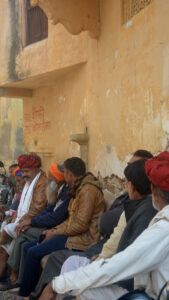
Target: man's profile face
x=20, y=182
x=29, y=174
x=51, y=177
x=68, y=176
x=11, y=169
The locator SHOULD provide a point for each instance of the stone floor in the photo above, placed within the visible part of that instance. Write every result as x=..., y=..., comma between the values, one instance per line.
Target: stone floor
x=9, y=296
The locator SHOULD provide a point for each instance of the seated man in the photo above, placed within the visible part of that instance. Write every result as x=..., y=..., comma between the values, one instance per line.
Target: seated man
x=11, y=211
x=57, y=258
x=54, y=213
x=78, y=232
x=106, y=220
x=10, y=193
x=146, y=259
x=32, y=201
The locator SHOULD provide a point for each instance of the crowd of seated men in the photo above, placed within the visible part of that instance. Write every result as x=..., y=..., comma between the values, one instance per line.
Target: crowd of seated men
x=58, y=242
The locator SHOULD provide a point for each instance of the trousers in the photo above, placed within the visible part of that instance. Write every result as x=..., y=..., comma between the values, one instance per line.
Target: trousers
x=33, y=253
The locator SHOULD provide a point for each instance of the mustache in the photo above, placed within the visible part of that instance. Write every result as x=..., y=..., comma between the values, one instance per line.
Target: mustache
x=26, y=177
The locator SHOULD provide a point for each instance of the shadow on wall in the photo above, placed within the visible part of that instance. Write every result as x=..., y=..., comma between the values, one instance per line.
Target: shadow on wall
x=5, y=138
x=10, y=151
x=19, y=145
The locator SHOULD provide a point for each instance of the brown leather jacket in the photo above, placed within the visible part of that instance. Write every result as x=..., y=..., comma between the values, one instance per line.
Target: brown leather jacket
x=84, y=210
x=39, y=199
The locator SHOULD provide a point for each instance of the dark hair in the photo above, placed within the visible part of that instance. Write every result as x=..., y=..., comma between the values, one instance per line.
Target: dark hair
x=135, y=172
x=164, y=195
x=76, y=165
x=143, y=154
x=13, y=166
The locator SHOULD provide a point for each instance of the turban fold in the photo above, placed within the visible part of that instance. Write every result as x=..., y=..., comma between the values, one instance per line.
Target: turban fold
x=29, y=161
x=57, y=172
x=157, y=170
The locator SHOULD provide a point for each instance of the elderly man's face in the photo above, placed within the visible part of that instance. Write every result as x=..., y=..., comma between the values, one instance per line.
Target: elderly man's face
x=29, y=174
x=20, y=182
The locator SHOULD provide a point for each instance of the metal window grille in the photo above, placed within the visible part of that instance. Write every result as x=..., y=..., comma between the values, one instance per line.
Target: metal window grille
x=36, y=24
x=132, y=7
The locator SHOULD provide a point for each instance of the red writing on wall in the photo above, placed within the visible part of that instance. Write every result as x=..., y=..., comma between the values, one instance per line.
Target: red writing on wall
x=35, y=121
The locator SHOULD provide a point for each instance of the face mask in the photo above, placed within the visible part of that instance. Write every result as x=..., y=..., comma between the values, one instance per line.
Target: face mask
x=155, y=203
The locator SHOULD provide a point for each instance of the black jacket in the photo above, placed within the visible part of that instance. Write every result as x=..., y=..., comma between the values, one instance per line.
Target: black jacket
x=138, y=214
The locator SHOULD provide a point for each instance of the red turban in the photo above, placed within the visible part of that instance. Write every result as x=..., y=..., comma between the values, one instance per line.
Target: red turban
x=157, y=170
x=29, y=161
x=56, y=172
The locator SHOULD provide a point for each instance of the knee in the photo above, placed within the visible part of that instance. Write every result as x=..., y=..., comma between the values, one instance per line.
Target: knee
x=32, y=253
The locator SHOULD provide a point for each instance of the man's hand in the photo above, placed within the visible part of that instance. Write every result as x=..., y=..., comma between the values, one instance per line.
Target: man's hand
x=26, y=224
x=48, y=234
x=94, y=258
x=3, y=208
x=8, y=219
x=18, y=229
x=48, y=293
x=1, y=216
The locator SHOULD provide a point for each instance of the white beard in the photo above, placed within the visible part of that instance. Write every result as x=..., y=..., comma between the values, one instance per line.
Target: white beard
x=155, y=203
x=52, y=191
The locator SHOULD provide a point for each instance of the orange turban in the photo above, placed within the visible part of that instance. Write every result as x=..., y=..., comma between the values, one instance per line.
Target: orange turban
x=157, y=170
x=57, y=172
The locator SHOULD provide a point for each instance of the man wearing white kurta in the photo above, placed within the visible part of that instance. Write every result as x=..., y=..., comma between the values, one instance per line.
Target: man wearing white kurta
x=147, y=259
x=32, y=201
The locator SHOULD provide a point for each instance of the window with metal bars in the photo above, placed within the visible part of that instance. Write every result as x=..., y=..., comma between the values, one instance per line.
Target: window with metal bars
x=132, y=7
x=36, y=24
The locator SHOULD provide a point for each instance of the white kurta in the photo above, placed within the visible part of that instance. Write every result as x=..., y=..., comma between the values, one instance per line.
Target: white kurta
x=147, y=260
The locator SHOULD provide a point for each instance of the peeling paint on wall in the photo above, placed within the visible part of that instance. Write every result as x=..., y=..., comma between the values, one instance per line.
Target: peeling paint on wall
x=108, y=163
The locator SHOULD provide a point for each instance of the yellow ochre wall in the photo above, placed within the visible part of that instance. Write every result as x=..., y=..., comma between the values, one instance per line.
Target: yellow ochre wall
x=116, y=86
x=11, y=130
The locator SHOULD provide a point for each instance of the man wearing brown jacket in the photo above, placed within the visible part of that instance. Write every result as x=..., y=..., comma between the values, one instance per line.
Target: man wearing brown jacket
x=33, y=200
x=78, y=232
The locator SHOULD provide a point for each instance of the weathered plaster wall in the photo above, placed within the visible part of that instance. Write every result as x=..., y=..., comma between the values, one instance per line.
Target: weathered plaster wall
x=123, y=95
x=11, y=130
x=130, y=97
x=119, y=89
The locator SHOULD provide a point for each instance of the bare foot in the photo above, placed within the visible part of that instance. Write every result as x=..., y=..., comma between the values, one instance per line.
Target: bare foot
x=14, y=276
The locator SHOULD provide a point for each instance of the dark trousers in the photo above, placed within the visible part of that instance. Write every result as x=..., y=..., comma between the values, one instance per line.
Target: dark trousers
x=33, y=254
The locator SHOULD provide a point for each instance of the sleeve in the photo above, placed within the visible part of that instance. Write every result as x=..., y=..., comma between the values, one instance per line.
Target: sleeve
x=38, y=203
x=110, y=247
x=135, y=259
x=51, y=218
x=80, y=223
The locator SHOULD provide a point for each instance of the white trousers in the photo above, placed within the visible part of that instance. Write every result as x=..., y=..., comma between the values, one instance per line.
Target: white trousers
x=73, y=263
x=10, y=230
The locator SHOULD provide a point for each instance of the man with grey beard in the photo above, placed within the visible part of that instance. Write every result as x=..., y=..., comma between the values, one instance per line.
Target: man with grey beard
x=54, y=213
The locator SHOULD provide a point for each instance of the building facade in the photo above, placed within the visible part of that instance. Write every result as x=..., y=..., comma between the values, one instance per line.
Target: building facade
x=93, y=76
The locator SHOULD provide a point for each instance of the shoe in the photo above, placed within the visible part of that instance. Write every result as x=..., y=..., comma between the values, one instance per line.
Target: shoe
x=69, y=297
x=8, y=285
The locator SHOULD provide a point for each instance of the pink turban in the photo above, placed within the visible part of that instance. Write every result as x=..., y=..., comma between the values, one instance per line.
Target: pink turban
x=29, y=161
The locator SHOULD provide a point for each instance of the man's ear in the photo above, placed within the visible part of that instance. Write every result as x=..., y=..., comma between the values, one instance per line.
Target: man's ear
x=131, y=189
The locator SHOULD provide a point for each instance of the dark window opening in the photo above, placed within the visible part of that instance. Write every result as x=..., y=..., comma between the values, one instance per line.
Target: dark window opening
x=36, y=24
